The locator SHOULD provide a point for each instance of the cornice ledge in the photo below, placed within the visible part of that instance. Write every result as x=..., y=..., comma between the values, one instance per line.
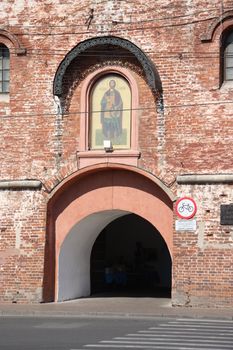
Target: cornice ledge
x=20, y=184
x=204, y=178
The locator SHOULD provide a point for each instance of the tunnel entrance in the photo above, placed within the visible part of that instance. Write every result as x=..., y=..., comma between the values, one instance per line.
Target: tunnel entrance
x=130, y=258
x=96, y=219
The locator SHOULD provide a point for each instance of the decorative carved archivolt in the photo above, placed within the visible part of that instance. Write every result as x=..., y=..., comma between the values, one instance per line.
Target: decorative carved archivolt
x=149, y=70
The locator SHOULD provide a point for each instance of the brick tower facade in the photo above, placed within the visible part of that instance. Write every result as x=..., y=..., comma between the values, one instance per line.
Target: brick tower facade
x=172, y=62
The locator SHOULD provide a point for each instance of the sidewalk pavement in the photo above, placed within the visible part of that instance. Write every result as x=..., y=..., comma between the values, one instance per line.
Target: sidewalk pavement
x=114, y=307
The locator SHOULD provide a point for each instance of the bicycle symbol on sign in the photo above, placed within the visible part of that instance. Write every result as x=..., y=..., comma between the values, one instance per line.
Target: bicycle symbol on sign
x=184, y=207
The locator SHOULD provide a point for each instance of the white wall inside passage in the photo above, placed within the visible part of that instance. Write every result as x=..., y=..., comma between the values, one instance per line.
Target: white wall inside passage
x=74, y=258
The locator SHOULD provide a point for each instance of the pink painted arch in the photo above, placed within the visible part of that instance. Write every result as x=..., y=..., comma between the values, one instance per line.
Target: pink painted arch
x=82, y=205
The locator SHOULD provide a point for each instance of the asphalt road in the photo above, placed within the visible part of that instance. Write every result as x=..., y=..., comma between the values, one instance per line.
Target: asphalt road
x=70, y=333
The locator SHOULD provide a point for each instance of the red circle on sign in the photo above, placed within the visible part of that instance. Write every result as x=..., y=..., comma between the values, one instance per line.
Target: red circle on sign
x=186, y=208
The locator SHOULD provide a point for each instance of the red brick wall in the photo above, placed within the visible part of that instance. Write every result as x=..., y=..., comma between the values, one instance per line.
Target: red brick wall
x=193, y=135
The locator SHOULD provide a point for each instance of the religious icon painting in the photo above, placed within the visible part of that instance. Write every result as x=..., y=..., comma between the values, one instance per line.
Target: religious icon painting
x=110, y=114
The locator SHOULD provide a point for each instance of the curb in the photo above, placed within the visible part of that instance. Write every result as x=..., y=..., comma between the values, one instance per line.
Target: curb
x=189, y=314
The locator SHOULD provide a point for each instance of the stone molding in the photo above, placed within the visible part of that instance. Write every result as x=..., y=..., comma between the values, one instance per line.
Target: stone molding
x=20, y=184
x=204, y=178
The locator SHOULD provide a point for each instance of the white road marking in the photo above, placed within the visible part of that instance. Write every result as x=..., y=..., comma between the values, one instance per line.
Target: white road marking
x=154, y=336
x=202, y=326
x=175, y=340
x=203, y=320
x=189, y=330
x=177, y=334
x=166, y=347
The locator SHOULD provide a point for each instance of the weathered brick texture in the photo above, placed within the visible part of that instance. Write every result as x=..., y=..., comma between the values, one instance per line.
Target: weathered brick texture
x=191, y=134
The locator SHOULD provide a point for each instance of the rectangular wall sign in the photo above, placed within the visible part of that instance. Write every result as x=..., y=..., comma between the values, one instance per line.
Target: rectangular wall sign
x=186, y=225
x=226, y=214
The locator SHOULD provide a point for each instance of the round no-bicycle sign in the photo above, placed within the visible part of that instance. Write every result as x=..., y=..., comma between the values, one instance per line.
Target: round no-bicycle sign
x=186, y=208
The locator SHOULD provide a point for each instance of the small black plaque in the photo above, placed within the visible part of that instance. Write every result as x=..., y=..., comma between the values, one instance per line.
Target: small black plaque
x=226, y=214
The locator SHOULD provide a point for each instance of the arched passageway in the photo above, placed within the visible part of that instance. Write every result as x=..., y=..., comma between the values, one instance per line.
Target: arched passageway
x=75, y=252
x=130, y=258
x=86, y=204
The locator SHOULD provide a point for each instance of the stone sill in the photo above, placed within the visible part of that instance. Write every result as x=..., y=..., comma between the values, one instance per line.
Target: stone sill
x=227, y=85
x=5, y=97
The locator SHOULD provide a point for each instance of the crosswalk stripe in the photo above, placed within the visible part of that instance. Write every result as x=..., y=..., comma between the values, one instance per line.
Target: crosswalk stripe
x=204, y=330
x=199, y=320
x=190, y=330
x=198, y=336
x=178, y=334
x=210, y=341
x=162, y=342
x=177, y=325
x=133, y=346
